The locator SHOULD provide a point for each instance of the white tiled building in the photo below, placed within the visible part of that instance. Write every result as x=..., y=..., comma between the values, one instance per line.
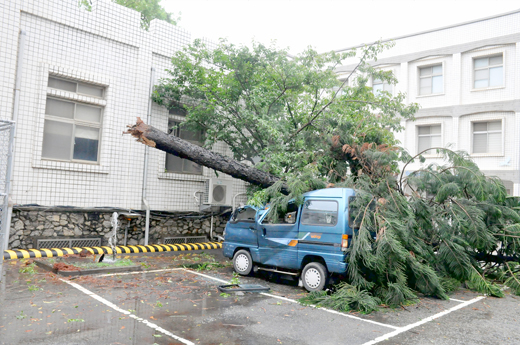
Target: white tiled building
x=466, y=77
x=85, y=76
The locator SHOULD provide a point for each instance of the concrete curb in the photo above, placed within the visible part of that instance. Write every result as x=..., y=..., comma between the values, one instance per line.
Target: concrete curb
x=154, y=248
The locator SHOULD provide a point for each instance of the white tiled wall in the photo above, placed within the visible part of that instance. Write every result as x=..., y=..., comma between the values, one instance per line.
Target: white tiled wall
x=105, y=46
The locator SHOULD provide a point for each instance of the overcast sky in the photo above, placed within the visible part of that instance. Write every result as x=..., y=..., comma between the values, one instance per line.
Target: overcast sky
x=326, y=24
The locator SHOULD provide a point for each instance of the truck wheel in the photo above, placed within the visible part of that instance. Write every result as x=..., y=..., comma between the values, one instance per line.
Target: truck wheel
x=242, y=262
x=314, y=276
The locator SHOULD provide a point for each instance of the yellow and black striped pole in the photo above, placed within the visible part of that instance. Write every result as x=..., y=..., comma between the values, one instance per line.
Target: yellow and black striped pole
x=154, y=248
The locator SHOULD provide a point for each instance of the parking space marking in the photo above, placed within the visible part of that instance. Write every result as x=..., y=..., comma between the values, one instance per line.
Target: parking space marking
x=115, y=307
x=457, y=300
x=312, y=306
x=428, y=319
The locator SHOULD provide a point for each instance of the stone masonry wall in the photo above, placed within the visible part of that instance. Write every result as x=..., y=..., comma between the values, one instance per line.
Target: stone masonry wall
x=27, y=226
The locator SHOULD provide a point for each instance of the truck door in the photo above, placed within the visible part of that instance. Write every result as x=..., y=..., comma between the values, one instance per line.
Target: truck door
x=241, y=228
x=277, y=240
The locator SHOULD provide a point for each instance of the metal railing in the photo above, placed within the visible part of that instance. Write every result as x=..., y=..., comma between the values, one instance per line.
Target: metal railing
x=6, y=147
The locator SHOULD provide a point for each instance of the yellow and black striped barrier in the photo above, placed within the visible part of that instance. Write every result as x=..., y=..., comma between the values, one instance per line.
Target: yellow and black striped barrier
x=153, y=248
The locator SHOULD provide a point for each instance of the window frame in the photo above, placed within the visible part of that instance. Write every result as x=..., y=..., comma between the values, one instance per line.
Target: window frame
x=473, y=70
x=502, y=138
x=431, y=65
x=75, y=98
x=429, y=124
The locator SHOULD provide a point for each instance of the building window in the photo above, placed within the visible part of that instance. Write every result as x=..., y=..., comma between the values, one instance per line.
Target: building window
x=72, y=129
x=430, y=80
x=487, y=137
x=379, y=85
x=428, y=137
x=489, y=72
x=179, y=165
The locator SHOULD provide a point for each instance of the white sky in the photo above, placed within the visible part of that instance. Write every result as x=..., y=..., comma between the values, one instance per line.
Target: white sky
x=326, y=24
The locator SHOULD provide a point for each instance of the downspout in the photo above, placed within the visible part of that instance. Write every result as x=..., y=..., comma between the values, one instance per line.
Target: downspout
x=145, y=169
x=10, y=159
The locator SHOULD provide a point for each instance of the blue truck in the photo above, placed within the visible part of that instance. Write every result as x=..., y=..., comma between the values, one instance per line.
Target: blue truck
x=308, y=241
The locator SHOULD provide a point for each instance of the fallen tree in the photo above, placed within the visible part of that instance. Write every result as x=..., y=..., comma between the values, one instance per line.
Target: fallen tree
x=302, y=129
x=176, y=146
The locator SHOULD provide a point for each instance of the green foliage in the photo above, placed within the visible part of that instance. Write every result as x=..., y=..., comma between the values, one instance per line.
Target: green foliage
x=346, y=298
x=149, y=9
x=29, y=269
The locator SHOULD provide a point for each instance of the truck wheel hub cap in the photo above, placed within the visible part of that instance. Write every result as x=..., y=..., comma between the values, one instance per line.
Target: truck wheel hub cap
x=242, y=262
x=312, y=278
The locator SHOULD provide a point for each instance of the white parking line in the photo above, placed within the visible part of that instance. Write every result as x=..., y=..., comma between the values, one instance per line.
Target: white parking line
x=115, y=307
x=457, y=300
x=428, y=319
x=312, y=306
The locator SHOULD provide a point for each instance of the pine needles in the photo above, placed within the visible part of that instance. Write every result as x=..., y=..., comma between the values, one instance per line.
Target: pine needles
x=428, y=233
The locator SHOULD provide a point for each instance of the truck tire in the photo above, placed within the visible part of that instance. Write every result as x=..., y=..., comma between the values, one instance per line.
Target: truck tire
x=242, y=262
x=314, y=276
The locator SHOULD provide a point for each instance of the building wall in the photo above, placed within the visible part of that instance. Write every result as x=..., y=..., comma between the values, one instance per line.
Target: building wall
x=460, y=105
x=105, y=47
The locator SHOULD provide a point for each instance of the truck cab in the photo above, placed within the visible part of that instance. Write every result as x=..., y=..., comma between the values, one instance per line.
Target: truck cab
x=308, y=240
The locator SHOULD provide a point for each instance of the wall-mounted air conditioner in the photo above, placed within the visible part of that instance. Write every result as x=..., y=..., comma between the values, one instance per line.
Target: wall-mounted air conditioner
x=219, y=192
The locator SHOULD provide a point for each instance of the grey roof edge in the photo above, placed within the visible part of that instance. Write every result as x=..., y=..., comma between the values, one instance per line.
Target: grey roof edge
x=432, y=30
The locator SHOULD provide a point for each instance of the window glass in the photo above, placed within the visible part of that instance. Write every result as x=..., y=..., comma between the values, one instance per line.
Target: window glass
x=284, y=217
x=57, y=140
x=320, y=212
x=430, y=80
x=59, y=108
x=86, y=142
x=90, y=90
x=489, y=72
x=244, y=214
x=62, y=84
x=88, y=113
x=427, y=137
x=487, y=137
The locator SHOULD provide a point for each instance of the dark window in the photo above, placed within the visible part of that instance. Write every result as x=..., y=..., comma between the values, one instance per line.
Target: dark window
x=244, y=215
x=284, y=217
x=320, y=212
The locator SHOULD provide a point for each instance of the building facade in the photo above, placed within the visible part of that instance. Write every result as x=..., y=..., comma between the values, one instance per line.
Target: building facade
x=466, y=78
x=84, y=76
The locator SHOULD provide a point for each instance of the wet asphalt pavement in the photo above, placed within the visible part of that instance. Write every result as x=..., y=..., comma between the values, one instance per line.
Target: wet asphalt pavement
x=177, y=306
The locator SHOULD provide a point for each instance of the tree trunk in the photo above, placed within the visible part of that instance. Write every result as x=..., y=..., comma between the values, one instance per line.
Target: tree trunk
x=153, y=137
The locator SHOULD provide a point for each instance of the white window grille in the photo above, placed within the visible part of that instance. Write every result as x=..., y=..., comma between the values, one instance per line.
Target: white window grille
x=487, y=137
x=488, y=71
x=72, y=129
x=176, y=164
x=430, y=80
x=428, y=137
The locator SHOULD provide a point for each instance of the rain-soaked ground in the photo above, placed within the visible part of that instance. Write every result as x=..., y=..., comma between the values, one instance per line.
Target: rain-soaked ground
x=168, y=304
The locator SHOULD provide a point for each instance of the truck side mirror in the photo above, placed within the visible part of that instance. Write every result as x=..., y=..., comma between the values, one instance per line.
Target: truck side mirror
x=290, y=217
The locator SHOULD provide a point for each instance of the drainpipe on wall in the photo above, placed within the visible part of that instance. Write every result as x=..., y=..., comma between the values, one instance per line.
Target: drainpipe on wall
x=145, y=169
x=10, y=159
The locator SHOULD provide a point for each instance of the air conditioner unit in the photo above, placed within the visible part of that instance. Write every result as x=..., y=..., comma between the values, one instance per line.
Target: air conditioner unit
x=219, y=192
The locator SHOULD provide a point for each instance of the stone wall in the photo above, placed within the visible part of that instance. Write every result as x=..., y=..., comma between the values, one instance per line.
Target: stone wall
x=28, y=226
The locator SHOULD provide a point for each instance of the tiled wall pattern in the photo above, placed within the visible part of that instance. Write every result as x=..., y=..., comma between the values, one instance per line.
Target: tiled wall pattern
x=106, y=47
x=460, y=104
